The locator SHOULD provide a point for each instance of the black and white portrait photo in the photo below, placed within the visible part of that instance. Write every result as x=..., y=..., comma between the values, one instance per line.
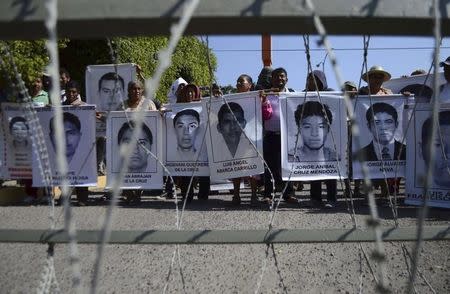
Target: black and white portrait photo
x=419, y=159
x=186, y=148
x=382, y=120
x=105, y=84
x=142, y=170
x=381, y=137
x=235, y=129
x=78, y=126
x=313, y=136
x=17, y=155
x=313, y=120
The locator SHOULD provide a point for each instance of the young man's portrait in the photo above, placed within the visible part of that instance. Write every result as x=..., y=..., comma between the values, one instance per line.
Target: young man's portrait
x=382, y=122
x=313, y=120
x=72, y=131
x=110, y=91
x=230, y=125
x=186, y=124
x=138, y=161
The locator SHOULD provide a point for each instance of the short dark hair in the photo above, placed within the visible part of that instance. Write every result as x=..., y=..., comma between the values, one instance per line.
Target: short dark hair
x=235, y=107
x=381, y=107
x=18, y=119
x=190, y=112
x=62, y=71
x=72, y=84
x=279, y=70
x=444, y=119
x=129, y=125
x=67, y=116
x=313, y=108
x=110, y=76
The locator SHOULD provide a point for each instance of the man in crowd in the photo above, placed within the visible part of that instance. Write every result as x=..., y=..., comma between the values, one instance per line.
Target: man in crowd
x=445, y=88
x=272, y=138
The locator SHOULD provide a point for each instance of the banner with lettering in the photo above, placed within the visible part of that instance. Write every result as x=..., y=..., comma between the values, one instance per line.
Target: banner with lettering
x=418, y=160
x=185, y=130
x=79, y=146
x=143, y=170
x=313, y=136
x=381, y=143
x=234, y=135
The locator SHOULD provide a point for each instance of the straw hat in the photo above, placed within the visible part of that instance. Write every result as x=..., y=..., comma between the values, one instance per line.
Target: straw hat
x=376, y=69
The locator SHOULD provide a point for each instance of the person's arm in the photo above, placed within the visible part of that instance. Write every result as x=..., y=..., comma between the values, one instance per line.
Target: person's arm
x=266, y=107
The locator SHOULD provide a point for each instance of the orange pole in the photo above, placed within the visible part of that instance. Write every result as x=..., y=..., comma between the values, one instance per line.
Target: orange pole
x=266, y=49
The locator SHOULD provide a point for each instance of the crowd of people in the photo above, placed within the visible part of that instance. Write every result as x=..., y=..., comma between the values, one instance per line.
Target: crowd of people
x=269, y=79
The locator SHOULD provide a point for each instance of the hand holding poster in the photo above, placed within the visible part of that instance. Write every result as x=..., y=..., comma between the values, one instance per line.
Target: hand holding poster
x=186, y=153
x=313, y=136
x=381, y=137
x=234, y=129
x=78, y=124
x=143, y=170
x=418, y=160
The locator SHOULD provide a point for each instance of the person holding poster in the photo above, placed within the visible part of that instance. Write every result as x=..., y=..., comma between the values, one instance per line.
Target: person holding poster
x=272, y=138
x=135, y=98
x=317, y=81
x=445, y=88
x=73, y=98
x=441, y=166
x=375, y=78
x=244, y=83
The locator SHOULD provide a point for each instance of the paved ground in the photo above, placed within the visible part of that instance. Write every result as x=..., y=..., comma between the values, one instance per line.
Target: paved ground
x=291, y=268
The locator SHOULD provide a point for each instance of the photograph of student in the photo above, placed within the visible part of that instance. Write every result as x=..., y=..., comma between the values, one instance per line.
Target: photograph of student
x=19, y=130
x=231, y=127
x=186, y=124
x=111, y=88
x=313, y=120
x=441, y=166
x=72, y=130
x=382, y=121
x=139, y=157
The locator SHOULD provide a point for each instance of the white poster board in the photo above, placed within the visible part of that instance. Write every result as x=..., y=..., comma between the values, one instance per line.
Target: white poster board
x=231, y=143
x=79, y=129
x=313, y=136
x=381, y=142
x=143, y=171
x=106, y=87
x=185, y=129
x=418, y=138
x=18, y=146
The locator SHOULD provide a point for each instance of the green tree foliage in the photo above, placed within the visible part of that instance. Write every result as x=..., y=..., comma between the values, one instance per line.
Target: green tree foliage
x=31, y=59
x=189, y=60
